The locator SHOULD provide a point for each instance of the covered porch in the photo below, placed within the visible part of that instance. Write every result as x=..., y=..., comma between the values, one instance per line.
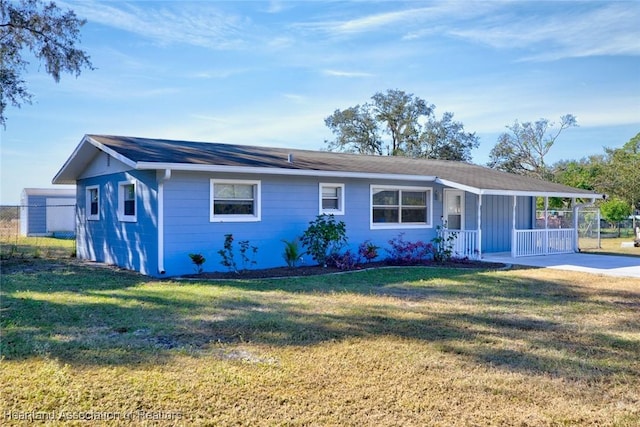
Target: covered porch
x=504, y=221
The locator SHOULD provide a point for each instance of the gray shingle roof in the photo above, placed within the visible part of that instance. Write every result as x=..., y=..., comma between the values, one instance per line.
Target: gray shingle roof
x=160, y=153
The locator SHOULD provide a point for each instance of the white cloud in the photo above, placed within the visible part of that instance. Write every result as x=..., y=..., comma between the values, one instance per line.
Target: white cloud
x=200, y=24
x=221, y=73
x=399, y=20
x=300, y=99
x=338, y=73
x=611, y=29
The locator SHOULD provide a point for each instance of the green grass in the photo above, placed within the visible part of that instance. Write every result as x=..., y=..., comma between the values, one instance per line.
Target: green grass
x=13, y=247
x=610, y=246
x=406, y=346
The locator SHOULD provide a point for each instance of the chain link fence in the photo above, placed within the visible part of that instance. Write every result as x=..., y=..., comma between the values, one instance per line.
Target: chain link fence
x=589, y=230
x=37, y=231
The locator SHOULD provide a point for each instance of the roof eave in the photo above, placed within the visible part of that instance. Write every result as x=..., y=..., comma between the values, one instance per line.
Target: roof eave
x=86, y=149
x=279, y=171
x=527, y=193
x=542, y=193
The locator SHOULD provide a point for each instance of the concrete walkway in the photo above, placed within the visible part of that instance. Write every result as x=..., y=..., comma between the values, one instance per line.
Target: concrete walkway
x=608, y=265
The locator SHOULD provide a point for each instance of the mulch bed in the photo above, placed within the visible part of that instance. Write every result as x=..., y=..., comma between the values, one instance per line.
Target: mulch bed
x=315, y=270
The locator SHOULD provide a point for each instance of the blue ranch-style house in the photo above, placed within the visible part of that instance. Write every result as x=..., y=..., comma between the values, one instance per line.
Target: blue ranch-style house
x=145, y=204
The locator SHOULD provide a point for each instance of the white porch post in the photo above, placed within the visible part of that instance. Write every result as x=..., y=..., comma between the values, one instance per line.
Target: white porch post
x=598, y=222
x=546, y=226
x=576, y=211
x=514, y=242
x=479, y=234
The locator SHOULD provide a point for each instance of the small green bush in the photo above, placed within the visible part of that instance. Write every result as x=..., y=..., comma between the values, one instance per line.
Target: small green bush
x=198, y=260
x=324, y=237
x=247, y=254
x=292, y=253
x=443, y=247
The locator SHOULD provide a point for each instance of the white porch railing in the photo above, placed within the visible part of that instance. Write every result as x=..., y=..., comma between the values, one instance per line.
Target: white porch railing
x=543, y=242
x=464, y=243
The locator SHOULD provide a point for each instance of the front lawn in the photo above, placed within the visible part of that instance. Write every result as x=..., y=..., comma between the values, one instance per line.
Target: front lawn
x=401, y=346
x=611, y=246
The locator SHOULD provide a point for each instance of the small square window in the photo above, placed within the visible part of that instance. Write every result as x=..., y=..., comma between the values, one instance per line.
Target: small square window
x=93, y=203
x=127, y=201
x=332, y=199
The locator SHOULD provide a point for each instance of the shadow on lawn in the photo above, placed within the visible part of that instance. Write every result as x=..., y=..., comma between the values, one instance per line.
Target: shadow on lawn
x=107, y=317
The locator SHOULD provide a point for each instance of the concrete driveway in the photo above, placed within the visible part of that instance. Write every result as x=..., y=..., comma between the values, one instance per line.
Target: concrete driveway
x=608, y=265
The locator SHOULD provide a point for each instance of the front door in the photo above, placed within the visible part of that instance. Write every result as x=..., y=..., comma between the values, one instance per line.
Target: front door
x=454, y=209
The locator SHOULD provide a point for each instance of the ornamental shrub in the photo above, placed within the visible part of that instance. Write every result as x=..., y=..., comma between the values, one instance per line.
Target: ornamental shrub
x=344, y=261
x=324, y=237
x=198, y=260
x=368, y=251
x=405, y=252
x=247, y=254
x=292, y=253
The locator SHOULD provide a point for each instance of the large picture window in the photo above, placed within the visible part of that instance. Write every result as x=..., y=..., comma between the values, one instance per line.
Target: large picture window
x=127, y=201
x=393, y=207
x=235, y=200
x=93, y=203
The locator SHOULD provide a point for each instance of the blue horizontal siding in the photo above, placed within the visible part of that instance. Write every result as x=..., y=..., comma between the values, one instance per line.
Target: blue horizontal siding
x=288, y=205
x=130, y=245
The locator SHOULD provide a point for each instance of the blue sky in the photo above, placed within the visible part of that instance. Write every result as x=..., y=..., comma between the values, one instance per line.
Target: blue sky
x=270, y=72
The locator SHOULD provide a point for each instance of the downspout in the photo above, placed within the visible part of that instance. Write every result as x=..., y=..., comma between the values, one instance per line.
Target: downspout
x=161, y=180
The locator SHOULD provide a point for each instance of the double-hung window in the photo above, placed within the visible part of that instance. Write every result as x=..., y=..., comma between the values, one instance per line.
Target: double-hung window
x=127, y=201
x=332, y=199
x=235, y=200
x=93, y=203
x=397, y=207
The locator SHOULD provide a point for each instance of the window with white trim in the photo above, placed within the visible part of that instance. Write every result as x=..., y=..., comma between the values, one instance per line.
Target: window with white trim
x=235, y=200
x=331, y=199
x=127, y=201
x=397, y=207
x=93, y=203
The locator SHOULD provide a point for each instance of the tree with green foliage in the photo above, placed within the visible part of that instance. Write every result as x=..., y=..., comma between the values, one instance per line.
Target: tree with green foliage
x=522, y=150
x=49, y=33
x=621, y=177
x=443, y=139
x=615, y=210
x=585, y=173
x=356, y=131
x=410, y=123
x=400, y=112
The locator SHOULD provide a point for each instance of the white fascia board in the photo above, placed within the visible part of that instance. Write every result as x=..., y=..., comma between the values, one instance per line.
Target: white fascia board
x=79, y=152
x=62, y=192
x=541, y=193
x=280, y=171
x=459, y=186
x=112, y=153
x=57, y=178
x=494, y=192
